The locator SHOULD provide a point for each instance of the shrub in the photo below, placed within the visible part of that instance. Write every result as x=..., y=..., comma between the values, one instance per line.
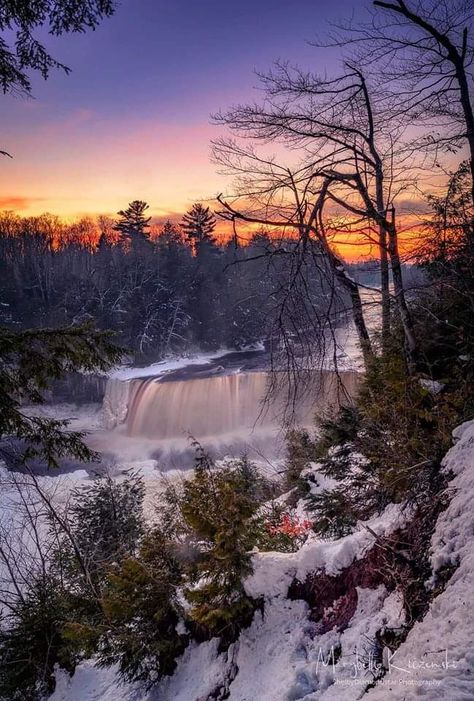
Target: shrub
x=31, y=642
x=276, y=527
x=106, y=521
x=301, y=450
x=218, y=505
x=141, y=612
x=386, y=449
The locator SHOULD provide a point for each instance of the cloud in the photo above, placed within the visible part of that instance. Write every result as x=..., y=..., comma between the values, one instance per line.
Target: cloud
x=18, y=203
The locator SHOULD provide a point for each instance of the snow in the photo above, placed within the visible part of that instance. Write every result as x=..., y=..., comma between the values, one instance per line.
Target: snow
x=165, y=366
x=279, y=657
x=282, y=657
x=318, y=482
x=272, y=655
x=274, y=571
x=445, y=637
x=92, y=684
x=199, y=672
x=82, y=417
x=432, y=386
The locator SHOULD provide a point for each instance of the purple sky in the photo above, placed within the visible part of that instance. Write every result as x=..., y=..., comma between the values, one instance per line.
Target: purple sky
x=132, y=119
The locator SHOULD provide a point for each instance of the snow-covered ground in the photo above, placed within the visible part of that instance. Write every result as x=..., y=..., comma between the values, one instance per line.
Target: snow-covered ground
x=282, y=657
x=165, y=366
x=438, y=653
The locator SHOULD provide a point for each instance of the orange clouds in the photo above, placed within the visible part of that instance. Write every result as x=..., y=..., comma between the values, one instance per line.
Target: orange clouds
x=17, y=203
x=85, y=164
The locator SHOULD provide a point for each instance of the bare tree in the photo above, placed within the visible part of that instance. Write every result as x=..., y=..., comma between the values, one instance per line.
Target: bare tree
x=355, y=149
x=422, y=51
x=290, y=203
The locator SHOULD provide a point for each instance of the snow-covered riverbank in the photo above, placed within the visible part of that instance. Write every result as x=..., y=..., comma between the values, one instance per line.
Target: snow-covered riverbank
x=284, y=656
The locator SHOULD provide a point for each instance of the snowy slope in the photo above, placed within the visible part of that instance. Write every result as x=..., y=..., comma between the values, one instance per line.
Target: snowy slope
x=444, y=639
x=283, y=657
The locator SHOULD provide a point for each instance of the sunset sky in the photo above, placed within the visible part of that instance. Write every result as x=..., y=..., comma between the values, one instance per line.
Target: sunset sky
x=132, y=119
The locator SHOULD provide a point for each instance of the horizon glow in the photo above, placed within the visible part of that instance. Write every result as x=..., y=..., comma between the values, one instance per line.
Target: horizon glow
x=132, y=120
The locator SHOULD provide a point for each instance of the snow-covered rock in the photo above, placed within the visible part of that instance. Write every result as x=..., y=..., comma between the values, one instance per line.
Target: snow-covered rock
x=441, y=646
x=432, y=385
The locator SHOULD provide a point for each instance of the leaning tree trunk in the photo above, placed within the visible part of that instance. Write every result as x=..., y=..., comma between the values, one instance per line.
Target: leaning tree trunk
x=405, y=314
x=359, y=322
x=385, y=287
x=357, y=309
x=384, y=272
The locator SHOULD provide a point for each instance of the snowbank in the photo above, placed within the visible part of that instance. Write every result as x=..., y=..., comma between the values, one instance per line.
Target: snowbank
x=92, y=684
x=444, y=639
x=274, y=572
x=165, y=366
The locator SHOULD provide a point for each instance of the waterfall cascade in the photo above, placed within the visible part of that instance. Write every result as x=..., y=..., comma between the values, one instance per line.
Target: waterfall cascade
x=115, y=403
x=214, y=406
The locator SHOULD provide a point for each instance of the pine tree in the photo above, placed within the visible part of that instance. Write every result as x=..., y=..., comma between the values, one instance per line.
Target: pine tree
x=198, y=225
x=29, y=362
x=20, y=20
x=141, y=610
x=31, y=641
x=217, y=505
x=169, y=235
x=106, y=521
x=60, y=613
x=133, y=224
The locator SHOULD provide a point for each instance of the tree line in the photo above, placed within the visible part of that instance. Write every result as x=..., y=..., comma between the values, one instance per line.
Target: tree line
x=161, y=291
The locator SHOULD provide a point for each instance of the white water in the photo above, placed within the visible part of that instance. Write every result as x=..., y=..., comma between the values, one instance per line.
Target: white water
x=155, y=419
x=219, y=405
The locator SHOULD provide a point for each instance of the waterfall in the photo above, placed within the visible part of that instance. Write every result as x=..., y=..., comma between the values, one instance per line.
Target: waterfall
x=115, y=403
x=214, y=406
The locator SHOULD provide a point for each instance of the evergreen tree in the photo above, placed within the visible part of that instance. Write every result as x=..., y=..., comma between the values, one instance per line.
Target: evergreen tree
x=198, y=225
x=29, y=361
x=133, y=224
x=106, y=521
x=218, y=505
x=142, y=611
x=169, y=235
x=31, y=643
x=59, y=615
x=18, y=21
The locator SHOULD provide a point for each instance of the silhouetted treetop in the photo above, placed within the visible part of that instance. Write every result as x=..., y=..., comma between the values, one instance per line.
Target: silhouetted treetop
x=133, y=223
x=198, y=224
x=169, y=234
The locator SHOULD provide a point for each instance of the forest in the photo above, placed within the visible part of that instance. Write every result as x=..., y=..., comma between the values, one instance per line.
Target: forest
x=161, y=289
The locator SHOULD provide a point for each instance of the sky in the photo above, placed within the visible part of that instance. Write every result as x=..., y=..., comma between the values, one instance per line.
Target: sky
x=132, y=120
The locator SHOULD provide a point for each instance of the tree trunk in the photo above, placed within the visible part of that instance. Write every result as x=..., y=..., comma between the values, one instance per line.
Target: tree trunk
x=359, y=322
x=385, y=288
x=405, y=315
x=384, y=272
x=468, y=115
x=357, y=309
